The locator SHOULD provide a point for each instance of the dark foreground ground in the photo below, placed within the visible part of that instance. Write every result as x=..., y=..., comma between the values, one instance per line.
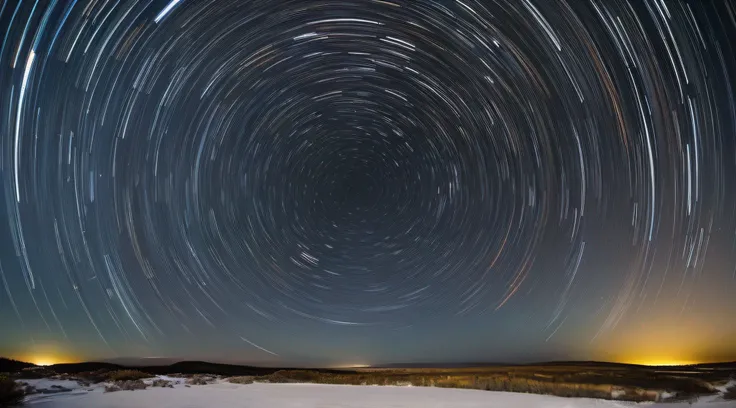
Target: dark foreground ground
x=568, y=379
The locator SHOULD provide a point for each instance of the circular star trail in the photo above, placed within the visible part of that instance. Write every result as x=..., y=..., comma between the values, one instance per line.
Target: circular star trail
x=249, y=171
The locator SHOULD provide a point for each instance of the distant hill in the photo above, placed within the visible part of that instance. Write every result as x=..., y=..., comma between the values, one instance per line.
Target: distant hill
x=139, y=362
x=203, y=367
x=74, y=368
x=182, y=367
x=583, y=364
x=496, y=364
x=598, y=364
x=440, y=365
x=8, y=365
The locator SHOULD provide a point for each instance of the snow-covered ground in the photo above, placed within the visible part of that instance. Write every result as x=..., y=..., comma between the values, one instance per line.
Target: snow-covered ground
x=49, y=384
x=723, y=388
x=52, y=389
x=226, y=395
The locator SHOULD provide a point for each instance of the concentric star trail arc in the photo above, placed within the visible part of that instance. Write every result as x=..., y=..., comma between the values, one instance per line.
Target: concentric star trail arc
x=339, y=180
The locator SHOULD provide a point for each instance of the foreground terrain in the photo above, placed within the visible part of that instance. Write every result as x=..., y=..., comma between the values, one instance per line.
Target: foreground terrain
x=260, y=395
x=201, y=384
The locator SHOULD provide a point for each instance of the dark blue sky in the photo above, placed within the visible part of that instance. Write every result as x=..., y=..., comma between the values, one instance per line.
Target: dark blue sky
x=362, y=182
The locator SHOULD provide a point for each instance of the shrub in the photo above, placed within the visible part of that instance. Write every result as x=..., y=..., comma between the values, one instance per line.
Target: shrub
x=730, y=393
x=131, y=385
x=161, y=383
x=112, y=388
x=10, y=392
x=279, y=379
x=241, y=380
x=127, y=375
x=198, y=379
x=36, y=372
x=93, y=377
x=127, y=385
x=294, y=376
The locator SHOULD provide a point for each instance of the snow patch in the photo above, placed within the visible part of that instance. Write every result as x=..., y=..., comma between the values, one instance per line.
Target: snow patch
x=260, y=395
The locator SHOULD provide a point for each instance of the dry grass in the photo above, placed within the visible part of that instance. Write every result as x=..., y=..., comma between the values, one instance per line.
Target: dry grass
x=198, y=379
x=35, y=373
x=559, y=381
x=127, y=375
x=162, y=383
x=241, y=380
x=91, y=377
x=126, y=385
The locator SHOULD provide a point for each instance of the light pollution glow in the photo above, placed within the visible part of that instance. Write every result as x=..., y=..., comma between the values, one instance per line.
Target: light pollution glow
x=662, y=363
x=46, y=359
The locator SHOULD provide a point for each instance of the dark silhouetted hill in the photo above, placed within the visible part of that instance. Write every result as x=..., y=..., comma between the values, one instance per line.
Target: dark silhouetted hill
x=140, y=362
x=8, y=365
x=581, y=364
x=76, y=368
x=182, y=367
x=203, y=367
x=441, y=365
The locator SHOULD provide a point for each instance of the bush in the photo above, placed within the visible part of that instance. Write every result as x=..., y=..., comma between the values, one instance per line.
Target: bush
x=86, y=378
x=131, y=385
x=730, y=393
x=198, y=379
x=10, y=392
x=127, y=375
x=241, y=380
x=127, y=385
x=161, y=383
x=36, y=373
x=295, y=376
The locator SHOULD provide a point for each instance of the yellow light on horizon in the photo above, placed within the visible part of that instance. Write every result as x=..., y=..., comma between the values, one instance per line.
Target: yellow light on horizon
x=662, y=363
x=352, y=366
x=43, y=360
x=47, y=360
x=45, y=355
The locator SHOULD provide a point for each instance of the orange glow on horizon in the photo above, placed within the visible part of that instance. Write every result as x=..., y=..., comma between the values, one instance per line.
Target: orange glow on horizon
x=45, y=359
x=657, y=341
x=662, y=363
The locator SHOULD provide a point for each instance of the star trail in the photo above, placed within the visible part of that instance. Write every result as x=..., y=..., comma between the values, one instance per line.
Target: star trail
x=368, y=181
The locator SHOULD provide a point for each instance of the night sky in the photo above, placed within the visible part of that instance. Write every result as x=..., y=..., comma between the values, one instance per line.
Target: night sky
x=323, y=182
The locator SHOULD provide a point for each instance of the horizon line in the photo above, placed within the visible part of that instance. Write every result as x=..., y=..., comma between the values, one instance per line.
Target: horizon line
x=175, y=360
